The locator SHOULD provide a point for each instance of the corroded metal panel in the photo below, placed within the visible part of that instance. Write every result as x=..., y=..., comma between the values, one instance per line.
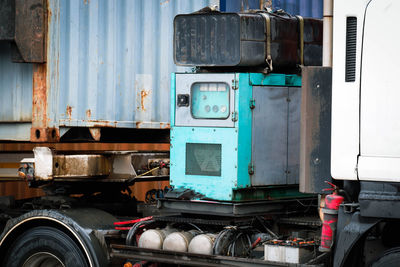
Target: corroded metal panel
x=109, y=62
x=30, y=30
x=92, y=147
x=23, y=23
x=315, y=131
x=80, y=166
x=7, y=19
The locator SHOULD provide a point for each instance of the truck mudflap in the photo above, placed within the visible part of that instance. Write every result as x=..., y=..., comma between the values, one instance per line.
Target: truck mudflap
x=133, y=254
x=87, y=227
x=351, y=228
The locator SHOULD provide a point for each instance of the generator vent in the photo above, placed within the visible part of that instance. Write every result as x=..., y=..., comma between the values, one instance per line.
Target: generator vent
x=203, y=159
x=351, y=45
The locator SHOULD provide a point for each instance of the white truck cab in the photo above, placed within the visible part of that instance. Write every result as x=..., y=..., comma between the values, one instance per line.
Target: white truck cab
x=365, y=91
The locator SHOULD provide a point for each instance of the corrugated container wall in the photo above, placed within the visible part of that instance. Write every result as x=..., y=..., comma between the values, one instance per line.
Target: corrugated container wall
x=108, y=65
x=15, y=97
x=305, y=8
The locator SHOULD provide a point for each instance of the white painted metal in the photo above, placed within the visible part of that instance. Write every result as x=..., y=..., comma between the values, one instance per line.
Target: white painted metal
x=345, y=95
x=184, y=84
x=327, y=34
x=154, y=238
x=380, y=93
x=286, y=254
x=43, y=163
x=178, y=241
x=379, y=169
x=202, y=244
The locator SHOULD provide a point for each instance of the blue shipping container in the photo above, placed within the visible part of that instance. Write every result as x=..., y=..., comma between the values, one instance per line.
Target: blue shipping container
x=108, y=65
x=305, y=8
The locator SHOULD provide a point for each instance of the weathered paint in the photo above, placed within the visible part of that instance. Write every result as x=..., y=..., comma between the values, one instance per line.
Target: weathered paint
x=236, y=145
x=95, y=133
x=23, y=23
x=20, y=190
x=305, y=8
x=95, y=147
x=30, y=27
x=40, y=131
x=108, y=64
x=139, y=189
x=114, y=59
x=273, y=79
x=15, y=97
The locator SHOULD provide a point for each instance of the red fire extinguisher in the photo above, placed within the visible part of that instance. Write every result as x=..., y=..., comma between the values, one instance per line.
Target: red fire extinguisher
x=331, y=210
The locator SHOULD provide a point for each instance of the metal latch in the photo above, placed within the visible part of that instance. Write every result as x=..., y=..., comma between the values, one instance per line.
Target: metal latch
x=251, y=169
x=234, y=84
x=252, y=103
x=234, y=116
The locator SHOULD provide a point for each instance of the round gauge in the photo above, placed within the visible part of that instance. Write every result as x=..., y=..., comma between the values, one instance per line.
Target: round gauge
x=207, y=108
x=215, y=108
x=223, y=108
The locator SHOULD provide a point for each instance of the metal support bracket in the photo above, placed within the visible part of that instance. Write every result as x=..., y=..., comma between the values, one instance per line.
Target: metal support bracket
x=23, y=23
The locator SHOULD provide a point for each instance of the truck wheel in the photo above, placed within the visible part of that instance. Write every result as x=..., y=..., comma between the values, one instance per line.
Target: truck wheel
x=391, y=258
x=44, y=247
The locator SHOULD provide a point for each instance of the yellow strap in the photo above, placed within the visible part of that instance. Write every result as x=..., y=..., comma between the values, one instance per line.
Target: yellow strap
x=268, y=36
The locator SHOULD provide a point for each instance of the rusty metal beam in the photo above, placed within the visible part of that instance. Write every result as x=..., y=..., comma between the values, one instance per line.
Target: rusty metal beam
x=30, y=30
x=23, y=23
x=40, y=132
x=85, y=147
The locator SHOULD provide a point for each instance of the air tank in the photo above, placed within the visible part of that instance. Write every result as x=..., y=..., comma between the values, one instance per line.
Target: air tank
x=202, y=244
x=179, y=241
x=154, y=238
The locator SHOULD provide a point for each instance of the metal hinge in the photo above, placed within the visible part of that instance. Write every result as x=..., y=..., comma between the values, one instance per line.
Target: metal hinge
x=252, y=103
x=251, y=169
x=234, y=116
x=234, y=84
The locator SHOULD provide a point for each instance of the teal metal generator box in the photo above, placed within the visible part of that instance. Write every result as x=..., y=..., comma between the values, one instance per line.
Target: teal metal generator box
x=235, y=136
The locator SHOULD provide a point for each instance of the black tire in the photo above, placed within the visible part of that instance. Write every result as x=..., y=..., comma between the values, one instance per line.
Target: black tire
x=390, y=258
x=46, y=245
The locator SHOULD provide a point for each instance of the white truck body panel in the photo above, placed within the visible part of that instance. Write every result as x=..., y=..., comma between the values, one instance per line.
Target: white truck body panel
x=380, y=93
x=345, y=95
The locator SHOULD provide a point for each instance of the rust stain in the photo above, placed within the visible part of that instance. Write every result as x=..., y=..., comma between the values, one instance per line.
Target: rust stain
x=138, y=124
x=10, y=165
x=19, y=189
x=97, y=123
x=165, y=125
x=96, y=133
x=88, y=113
x=143, y=95
x=164, y=2
x=69, y=112
x=90, y=146
x=39, y=96
x=40, y=131
x=139, y=189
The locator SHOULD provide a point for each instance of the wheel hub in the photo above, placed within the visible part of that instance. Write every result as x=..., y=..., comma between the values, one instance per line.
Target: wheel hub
x=43, y=259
